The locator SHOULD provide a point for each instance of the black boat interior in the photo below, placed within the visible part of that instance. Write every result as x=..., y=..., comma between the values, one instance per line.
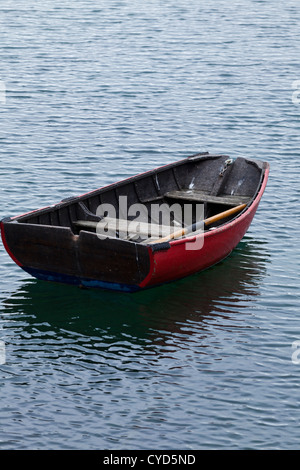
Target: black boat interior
x=148, y=206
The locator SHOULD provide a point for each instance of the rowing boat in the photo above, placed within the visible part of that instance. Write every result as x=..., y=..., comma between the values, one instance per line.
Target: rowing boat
x=143, y=231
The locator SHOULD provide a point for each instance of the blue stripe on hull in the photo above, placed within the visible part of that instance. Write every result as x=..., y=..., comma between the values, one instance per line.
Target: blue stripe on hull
x=91, y=283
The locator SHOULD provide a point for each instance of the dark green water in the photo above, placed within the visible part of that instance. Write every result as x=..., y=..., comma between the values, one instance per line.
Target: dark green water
x=98, y=91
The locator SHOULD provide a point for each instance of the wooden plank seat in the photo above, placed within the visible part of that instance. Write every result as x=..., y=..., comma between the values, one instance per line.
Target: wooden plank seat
x=110, y=226
x=200, y=196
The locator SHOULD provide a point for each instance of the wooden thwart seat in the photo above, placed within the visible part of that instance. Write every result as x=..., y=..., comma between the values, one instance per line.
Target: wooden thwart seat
x=200, y=196
x=132, y=227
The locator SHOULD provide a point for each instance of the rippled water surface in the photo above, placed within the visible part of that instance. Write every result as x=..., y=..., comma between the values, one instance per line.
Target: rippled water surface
x=96, y=91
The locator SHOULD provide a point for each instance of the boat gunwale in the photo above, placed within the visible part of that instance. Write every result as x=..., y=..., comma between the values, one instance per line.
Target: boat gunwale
x=65, y=202
x=265, y=168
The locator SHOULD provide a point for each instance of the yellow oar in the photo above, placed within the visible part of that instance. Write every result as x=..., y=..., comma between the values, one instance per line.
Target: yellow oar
x=184, y=231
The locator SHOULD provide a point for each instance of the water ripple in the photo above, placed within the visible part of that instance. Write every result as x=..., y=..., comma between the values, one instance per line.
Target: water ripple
x=96, y=93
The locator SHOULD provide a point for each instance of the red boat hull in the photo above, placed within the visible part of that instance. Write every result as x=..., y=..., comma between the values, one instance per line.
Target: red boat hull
x=178, y=261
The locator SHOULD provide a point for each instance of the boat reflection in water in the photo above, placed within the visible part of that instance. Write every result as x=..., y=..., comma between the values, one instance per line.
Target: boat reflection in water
x=186, y=306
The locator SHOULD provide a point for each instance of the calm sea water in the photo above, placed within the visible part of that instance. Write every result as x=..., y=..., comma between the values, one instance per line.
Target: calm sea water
x=95, y=91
